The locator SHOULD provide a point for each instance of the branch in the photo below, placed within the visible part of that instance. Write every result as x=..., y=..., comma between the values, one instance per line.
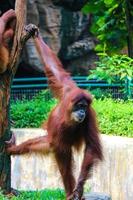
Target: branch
x=21, y=34
x=20, y=9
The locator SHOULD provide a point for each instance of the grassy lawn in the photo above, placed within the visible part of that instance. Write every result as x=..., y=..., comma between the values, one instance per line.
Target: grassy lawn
x=39, y=195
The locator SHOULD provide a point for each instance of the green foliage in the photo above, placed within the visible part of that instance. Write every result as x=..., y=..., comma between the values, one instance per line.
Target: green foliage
x=113, y=69
x=101, y=93
x=115, y=117
x=32, y=113
x=47, y=195
x=108, y=15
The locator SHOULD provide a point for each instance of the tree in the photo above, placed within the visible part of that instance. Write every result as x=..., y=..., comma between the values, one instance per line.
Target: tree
x=112, y=23
x=5, y=87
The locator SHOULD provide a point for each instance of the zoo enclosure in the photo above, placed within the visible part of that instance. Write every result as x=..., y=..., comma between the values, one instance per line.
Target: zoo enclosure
x=27, y=88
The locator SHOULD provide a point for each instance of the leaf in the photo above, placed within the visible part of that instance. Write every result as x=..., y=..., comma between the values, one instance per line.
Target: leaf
x=112, y=8
x=108, y=2
x=89, y=8
x=102, y=54
x=93, y=7
x=123, y=75
x=101, y=21
x=99, y=47
x=130, y=72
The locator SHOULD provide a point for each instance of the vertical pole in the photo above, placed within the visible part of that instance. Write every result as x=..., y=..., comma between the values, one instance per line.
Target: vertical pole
x=128, y=92
x=129, y=89
x=129, y=22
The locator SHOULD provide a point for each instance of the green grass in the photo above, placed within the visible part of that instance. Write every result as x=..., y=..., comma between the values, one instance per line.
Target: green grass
x=115, y=116
x=38, y=195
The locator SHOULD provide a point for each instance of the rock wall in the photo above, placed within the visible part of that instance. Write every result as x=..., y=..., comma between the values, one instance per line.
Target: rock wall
x=114, y=176
x=66, y=31
x=64, y=28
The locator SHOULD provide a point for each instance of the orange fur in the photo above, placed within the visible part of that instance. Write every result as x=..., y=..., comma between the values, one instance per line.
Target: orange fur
x=59, y=80
x=4, y=58
x=63, y=132
x=5, y=33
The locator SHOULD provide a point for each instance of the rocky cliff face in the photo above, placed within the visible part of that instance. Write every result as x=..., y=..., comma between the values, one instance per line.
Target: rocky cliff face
x=66, y=31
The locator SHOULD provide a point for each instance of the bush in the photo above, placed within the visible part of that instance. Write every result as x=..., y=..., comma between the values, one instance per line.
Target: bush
x=100, y=93
x=31, y=113
x=46, y=194
x=115, y=116
x=113, y=69
x=107, y=16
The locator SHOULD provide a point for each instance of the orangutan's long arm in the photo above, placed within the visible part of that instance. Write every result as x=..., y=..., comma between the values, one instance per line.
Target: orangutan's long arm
x=39, y=145
x=59, y=79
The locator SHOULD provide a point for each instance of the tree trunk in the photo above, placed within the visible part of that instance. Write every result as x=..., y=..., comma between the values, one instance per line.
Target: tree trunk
x=5, y=162
x=129, y=18
x=5, y=90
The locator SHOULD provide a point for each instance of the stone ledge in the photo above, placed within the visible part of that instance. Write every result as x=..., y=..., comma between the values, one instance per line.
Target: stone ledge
x=114, y=176
x=97, y=196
